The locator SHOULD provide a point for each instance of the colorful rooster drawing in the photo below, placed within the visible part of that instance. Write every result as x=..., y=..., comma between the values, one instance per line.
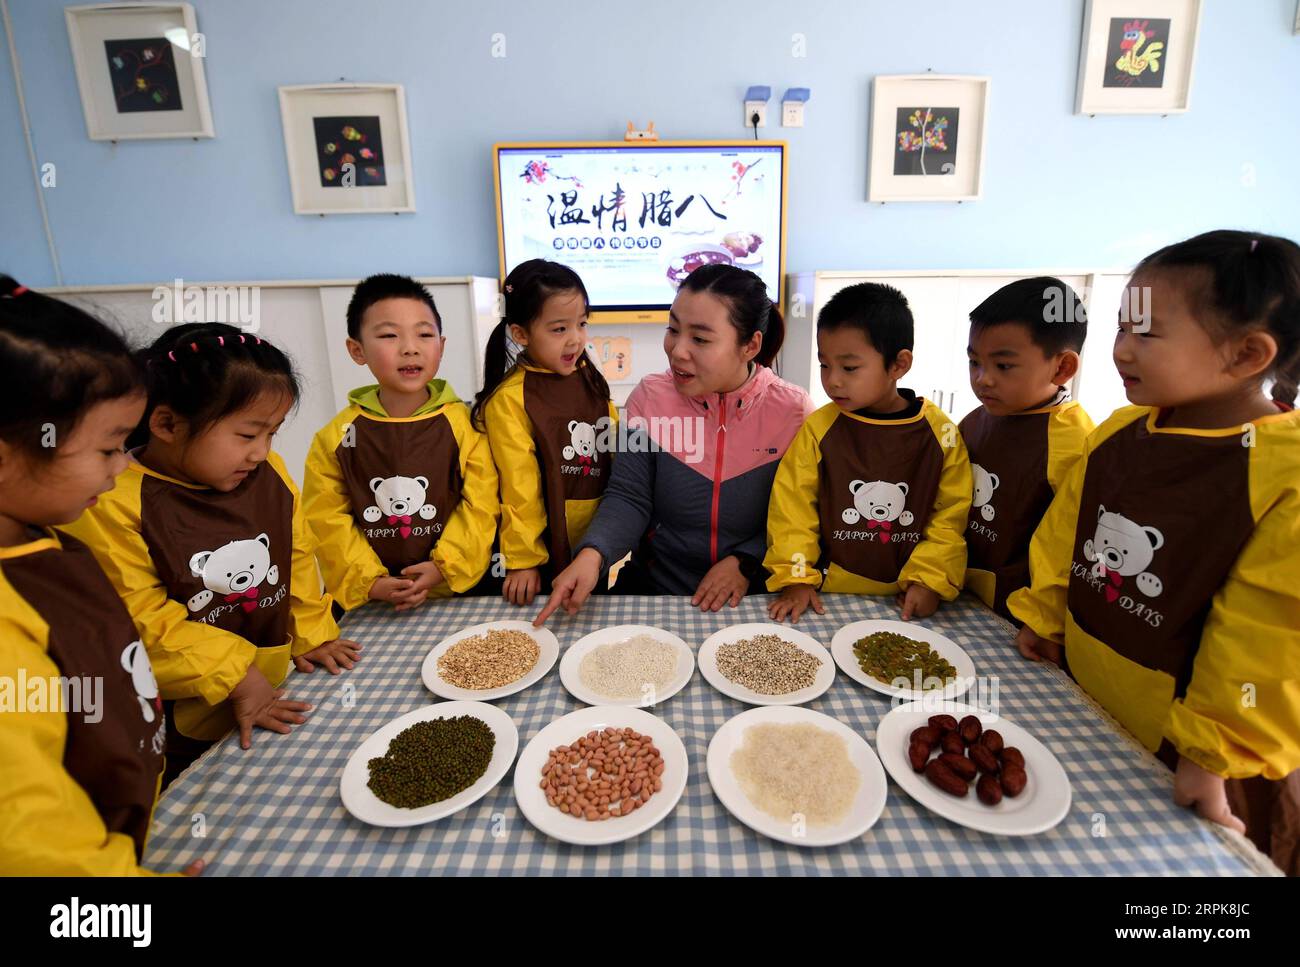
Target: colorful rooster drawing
x=1134, y=60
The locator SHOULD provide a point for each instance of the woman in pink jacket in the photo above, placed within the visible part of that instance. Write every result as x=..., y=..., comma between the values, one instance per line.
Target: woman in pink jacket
x=689, y=490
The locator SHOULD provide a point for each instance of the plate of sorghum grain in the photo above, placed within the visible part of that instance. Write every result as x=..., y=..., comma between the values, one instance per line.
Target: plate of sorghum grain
x=766, y=664
x=490, y=661
x=429, y=763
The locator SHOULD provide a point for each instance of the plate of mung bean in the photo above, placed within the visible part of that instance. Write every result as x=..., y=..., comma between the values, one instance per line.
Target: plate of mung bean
x=429, y=763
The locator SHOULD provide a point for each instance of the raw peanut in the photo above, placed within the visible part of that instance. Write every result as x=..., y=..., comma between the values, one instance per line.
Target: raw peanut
x=927, y=734
x=659, y=768
x=944, y=723
x=992, y=740
x=1011, y=756
x=960, y=765
x=947, y=780
x=989, y=790
x=659, y=783
x=1013, y=780
x=918, y=753
x=970, y=729
x=984, y=760
x=951, y=742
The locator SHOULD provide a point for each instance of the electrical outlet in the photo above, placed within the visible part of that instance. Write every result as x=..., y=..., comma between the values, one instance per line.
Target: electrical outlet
x=755, y=107
x=792, y=114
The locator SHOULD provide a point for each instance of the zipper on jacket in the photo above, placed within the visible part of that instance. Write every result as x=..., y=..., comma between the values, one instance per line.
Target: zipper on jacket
x=720, y=446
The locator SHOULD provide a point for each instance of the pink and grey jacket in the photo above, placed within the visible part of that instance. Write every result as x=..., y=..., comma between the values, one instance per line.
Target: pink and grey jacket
x=692, y=485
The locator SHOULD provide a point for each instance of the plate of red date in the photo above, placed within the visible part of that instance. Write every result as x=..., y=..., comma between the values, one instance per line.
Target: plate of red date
x=973, y=767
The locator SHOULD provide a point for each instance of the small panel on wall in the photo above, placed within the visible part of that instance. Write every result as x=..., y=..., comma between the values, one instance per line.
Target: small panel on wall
x=140, y=71
x=347, y=148
x=927, y=137
x=1137, y=56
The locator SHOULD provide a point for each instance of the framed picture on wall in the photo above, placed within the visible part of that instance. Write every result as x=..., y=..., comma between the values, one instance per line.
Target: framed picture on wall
x=140, y=71
x=1136, y=56
x=347, y=148
x=927, y=137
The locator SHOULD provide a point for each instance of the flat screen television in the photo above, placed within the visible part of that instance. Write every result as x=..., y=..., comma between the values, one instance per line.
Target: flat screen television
x=635, y=218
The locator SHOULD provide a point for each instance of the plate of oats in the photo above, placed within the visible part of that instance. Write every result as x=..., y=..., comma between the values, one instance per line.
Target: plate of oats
x=489, y=661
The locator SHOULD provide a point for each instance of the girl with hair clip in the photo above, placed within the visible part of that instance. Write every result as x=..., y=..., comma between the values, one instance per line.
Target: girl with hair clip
x=1166, y=568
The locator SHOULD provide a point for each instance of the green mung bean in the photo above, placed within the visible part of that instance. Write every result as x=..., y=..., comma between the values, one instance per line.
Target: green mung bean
x=432, y=761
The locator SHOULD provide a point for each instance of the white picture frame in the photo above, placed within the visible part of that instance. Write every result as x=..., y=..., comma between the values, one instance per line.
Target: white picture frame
x=140, y=71
x=373, y=112
x=1159, y=84
x=952, y=136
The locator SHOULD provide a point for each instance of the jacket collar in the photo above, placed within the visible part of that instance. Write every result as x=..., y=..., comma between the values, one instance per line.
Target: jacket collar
x=741, y=400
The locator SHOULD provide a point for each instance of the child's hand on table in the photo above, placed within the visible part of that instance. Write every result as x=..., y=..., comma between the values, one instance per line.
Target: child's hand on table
x=917, y=601
x=195, y=868
x=1037, y=649
x=794, y=601
x=723, y=584
x=332, y=654
x=1194, y=786
x=255, y=702
x=424, y=577
x=522, y=586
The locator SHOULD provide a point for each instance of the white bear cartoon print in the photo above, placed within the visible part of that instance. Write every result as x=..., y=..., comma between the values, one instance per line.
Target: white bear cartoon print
x=1123, y=548
x=879, y=503
x=399, y=499
x=985, y=484
x=136, y=661
x=235, y=571
x=582, y=445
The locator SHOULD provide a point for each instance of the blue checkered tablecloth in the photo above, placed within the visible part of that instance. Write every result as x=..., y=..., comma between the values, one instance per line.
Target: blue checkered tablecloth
x=275, y=809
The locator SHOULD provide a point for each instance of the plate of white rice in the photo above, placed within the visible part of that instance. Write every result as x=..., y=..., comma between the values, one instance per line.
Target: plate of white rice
x=796, y=775
x=632, y=665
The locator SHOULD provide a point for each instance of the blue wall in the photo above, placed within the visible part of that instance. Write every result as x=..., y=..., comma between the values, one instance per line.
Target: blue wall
x=1060, y=189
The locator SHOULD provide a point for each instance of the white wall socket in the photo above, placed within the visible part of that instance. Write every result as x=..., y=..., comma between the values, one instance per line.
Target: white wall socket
x=792, y=114
x=756, y=107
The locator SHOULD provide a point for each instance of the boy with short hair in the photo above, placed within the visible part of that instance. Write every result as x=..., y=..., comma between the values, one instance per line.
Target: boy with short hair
x=400, y=492
x=1025, y=341
x=873, y=494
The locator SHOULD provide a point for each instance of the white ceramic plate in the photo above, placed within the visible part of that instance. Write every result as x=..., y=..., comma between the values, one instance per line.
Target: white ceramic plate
x=708, y=659
x=1043, y=803
x=842, y=649
x=568, y=729
x=369, y=808
x=547, y=643
x=867, y=805
x=571, y=663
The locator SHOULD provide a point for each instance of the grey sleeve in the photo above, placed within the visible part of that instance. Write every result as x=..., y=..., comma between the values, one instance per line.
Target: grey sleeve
x=626, y=509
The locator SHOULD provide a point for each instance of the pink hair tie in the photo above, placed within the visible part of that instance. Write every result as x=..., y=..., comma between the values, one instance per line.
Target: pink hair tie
x=1254, y=243
x=19, y=290
x=171, y=355
x=241, y=339
x=221, y=340
x=194, y=347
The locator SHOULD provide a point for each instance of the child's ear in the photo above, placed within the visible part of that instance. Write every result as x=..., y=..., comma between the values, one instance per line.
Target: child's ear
x=355, y=350
x=1067, y=367
x=1253, y=354
x=519, y=334
x=164, y=424
x=902, y=364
